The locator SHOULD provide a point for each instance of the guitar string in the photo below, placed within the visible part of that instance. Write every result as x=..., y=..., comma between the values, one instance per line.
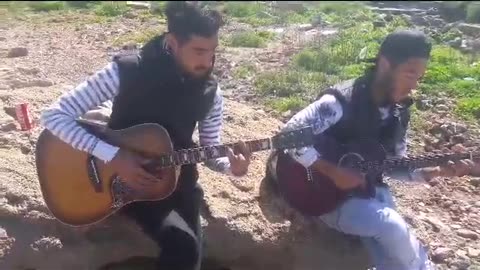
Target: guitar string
x=379, y=165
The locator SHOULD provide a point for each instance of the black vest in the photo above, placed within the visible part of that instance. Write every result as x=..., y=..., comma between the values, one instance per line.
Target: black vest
x=152, y=90
x=361, y=118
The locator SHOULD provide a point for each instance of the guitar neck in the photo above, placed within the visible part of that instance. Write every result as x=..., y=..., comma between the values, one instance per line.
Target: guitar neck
x=202, y=154
x=422, y=161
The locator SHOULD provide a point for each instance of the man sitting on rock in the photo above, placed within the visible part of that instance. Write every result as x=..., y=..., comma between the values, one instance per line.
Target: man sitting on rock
x=170, y=83
x=374, y=106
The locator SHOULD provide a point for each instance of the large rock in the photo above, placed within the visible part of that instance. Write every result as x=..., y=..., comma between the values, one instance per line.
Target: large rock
x=246, y=226
x=469, y=29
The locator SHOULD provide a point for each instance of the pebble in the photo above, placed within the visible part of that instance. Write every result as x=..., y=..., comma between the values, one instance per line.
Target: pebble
x=441, y=254
x=436, y=224
x=467, y=234
x=476, y=183
x=461, y=253
x=17, y=52
x=473, y=253
x=461, y=263
x=3, y=233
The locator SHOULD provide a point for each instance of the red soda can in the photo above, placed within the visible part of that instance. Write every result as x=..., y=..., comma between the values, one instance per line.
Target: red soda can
x=23, y=116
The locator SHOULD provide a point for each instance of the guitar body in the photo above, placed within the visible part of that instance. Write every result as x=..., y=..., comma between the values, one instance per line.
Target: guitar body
x=313, y=193
x=80, y=189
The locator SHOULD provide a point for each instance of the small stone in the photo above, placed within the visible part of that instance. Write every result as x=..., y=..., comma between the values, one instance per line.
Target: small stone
x=441, y=254
x=130, y=15
x=464, y=189
x=25, y=149
x=467, y=234
x=473, y=253
x=447, y=204
x=461, y=253
x=456, y=139
x=17, y=52
x=3, y=233
x=461, y=263
x=8, y=127
x=47, y=243
x=287, y=114
x=455, y=226
x=476, y=183
x=436, y=224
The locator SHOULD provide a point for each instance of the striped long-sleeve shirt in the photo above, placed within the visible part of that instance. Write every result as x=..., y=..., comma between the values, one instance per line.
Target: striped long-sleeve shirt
x=102, y=87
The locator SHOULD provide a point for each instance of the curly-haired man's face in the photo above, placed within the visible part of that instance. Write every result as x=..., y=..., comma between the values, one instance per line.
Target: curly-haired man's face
x=196, y=55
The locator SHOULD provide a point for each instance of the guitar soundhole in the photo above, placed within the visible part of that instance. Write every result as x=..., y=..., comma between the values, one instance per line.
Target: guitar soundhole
x=121, y=192
x=350, y=160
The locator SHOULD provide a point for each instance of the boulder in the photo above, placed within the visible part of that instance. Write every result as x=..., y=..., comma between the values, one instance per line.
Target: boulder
x=469, y=29
x=246, y=225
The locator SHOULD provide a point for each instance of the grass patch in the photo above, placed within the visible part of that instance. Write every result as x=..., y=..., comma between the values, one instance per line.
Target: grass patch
x=111, y=9
x=244, y=72
x=137, y=37
x=288, y=83
x=45, y=6
x=291, y=90
x=456, y=74
x=315, y=68
x=468, y=108
x=253, y=13
x=82, y=4
x=261, y=14
x=293, y=103
x=250, y=39
x=453, y=72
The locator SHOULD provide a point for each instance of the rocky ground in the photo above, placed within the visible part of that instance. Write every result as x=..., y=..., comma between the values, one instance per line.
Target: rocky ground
x=246, y=227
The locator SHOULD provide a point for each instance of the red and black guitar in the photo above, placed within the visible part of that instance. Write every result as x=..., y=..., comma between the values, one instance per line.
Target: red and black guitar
x=313, y=194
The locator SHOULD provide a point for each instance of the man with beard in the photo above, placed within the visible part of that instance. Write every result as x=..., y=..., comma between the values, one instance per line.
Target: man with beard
x=373, y=106
x=169, y=82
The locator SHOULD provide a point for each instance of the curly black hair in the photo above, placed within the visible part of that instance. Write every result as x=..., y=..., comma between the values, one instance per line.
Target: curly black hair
x=186, y=19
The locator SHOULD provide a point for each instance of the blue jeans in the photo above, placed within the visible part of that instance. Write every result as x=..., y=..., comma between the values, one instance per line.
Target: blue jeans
x=385, y=234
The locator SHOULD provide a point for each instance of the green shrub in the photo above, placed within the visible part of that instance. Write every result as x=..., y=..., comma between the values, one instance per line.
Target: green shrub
x=137, y=37
x=449, y=71
x=293, y=103
x=82, y=4
x=468, y=108
x=243, y=72
x=111, y=9
x=289, y=83
x=251, y=39
x=43, y=6
x=244, y=9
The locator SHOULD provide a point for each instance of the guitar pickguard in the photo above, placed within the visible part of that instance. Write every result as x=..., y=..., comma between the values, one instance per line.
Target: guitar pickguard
x=121, y=193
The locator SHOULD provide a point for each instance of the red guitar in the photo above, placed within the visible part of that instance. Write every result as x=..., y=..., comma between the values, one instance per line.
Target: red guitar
x=313, y=194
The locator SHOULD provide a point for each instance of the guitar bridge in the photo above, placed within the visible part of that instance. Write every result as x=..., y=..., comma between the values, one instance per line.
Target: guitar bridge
x=93, y=174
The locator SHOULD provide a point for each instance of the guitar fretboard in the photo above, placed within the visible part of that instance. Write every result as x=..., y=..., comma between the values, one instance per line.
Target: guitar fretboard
x=422, y=161
x=201, y=154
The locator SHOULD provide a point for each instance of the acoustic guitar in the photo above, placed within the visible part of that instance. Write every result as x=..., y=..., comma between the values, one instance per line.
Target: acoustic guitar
x=313, y=193
x=80, y=190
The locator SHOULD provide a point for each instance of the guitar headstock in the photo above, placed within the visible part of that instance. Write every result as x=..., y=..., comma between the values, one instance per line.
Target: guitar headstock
x=294, y=139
